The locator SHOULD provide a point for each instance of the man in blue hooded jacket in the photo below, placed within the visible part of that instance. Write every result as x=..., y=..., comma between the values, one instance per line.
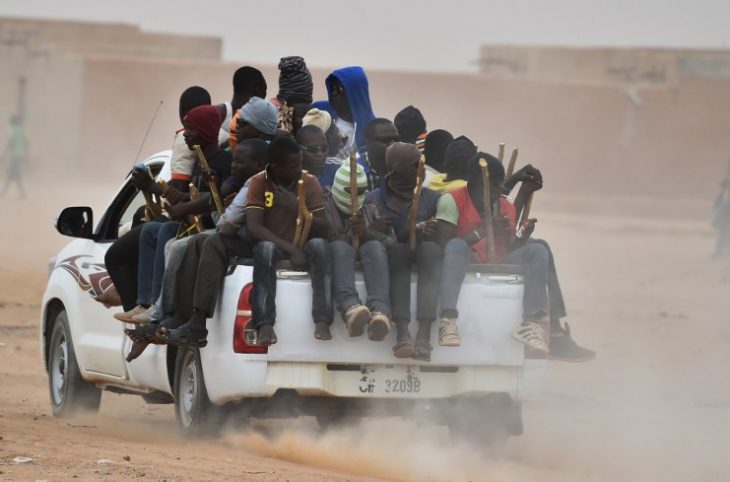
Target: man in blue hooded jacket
x=349, y=105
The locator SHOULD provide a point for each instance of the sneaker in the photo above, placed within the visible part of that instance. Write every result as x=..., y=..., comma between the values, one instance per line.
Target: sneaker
x=531, y=334
x=143, y=317
x=449, y=333
x=356, y=318
x=563, y=348
x=128, y=316
x=378, y=327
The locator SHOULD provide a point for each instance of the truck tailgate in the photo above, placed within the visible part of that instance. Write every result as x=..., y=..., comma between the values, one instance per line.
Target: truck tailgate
x=490, y=307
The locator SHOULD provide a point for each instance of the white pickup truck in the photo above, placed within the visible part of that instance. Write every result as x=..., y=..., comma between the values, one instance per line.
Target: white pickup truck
x=476, y=389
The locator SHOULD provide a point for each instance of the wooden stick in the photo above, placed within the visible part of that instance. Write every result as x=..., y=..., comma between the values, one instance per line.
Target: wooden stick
x=300, y=218
x=211, y=184
x=354, y=197
x=511, y=165
x=525, y=215
x=420, y=174
x=500, y=156
x=487, y=200
x=153, y=210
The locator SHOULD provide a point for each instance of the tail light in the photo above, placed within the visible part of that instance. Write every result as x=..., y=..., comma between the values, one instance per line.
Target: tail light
x=244, y=333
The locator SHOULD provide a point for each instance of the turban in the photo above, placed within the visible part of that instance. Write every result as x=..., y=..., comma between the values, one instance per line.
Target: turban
x=206, y=120
x=342, y=180
x=457, y=156
x=401, y=156
x=434, y=148
x=261, y=114
x=319, y=118
x=295, y=81
x=410, y=124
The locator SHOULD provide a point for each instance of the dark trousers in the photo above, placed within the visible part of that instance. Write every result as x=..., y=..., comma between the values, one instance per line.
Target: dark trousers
x=266, y=255
x=121, y=263
x=427, y=258
x=200, y=276
x=555, y=294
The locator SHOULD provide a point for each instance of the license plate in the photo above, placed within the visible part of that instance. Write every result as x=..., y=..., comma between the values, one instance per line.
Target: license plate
x=398, y=380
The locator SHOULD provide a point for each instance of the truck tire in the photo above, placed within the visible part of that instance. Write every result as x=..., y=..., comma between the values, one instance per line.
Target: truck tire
x=195, y=413
x=70, y=394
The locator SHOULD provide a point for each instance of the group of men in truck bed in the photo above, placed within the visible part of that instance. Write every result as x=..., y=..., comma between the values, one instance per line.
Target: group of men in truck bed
x=324, y=185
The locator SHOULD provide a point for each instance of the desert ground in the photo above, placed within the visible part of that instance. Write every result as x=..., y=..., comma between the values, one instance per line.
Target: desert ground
x=641, y=289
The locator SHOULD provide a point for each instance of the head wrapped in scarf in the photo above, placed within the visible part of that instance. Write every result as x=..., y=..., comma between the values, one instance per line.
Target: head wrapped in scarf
x=410, y=124
x=206, y=120
x=457, y=156
x=261, y=114
x=401, y=160
x=435, y=148
x=341, y=184
x=474, y=179
x=295, y=81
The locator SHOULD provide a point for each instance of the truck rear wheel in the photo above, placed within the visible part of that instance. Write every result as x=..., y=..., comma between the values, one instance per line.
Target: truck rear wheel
x=485, y=423
x=194, y=411
x=70, y=394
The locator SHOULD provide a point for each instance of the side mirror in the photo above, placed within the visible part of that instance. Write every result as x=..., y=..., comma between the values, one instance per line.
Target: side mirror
x=77, y=222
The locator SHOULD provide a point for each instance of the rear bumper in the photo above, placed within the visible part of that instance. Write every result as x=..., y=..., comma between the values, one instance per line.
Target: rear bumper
x=393, y=381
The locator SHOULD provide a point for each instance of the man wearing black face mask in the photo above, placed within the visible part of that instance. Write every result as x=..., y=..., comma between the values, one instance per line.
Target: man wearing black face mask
x=394, y=199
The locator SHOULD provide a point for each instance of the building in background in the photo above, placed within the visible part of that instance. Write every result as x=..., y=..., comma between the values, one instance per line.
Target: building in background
x=48, y=73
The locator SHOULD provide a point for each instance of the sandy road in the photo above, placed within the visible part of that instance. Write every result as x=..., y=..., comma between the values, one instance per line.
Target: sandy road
x=655, y=405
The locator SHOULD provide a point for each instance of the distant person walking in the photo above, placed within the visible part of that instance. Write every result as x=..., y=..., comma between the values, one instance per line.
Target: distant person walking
x=721, y=218
x=15, y=155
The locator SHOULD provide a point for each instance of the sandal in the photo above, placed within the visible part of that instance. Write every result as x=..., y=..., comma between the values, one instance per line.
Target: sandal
x=266, y=335
x=422, y=351
x=403, y=348
x=531, y=334
x=186, y=336
x=150, y=332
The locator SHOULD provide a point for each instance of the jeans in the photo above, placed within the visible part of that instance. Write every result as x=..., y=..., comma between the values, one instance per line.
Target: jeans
x=457, y=256
x=534, y=258
x=266, y=255
x=555, y=294
x=427, y=257
x=174, y=252
x=152, y=259
x=374, y=260
x=533, y=255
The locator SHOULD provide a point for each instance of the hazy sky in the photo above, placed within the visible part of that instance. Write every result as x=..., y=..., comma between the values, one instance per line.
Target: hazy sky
x=406, y=34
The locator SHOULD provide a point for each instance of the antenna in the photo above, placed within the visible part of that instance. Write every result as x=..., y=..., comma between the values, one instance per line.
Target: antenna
x=149, y=127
